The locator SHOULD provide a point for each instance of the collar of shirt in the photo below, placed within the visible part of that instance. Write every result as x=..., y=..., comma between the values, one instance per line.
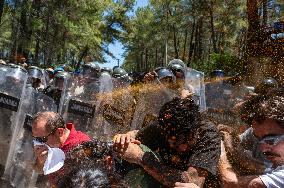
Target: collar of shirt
x=75, y=138
x=271, y=169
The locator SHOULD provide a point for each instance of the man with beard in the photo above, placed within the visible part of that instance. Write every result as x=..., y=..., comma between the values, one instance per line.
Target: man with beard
x=268, y=129
x=189, y=148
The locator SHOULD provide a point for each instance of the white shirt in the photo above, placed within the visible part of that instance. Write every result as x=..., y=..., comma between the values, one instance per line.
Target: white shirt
x=273, y=178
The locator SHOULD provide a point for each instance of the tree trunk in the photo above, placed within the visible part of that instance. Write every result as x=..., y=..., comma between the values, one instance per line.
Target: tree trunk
x=191, y=44
x=2, y=2
x=37, y=50
x=175, y=43
x=253, y=27
x=146, y=60
x=156, y=57
x=264, y=12
x=198, y=40
x=184, y=44
x=14, y=35
x=25, y=31
x=213, y=38
x=47, y=46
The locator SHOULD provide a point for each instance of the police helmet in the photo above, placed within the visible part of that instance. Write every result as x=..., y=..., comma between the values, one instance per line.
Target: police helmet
x=118, y=72
x=217, y=73
x=35, y=72
x=106, y=70
x=178, y=62
x=266, y=85
x=60, y=78
x=91, y=68
x=165, y=74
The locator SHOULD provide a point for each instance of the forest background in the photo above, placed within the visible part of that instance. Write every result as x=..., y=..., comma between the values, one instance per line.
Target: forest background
x=231, y=35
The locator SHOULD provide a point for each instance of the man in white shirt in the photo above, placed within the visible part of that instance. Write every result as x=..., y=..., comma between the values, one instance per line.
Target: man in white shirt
x=270, y=131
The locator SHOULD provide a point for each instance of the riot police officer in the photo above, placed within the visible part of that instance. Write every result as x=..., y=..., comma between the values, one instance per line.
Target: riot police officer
x=122, y=78
x=36, y=78
x=267, y=85
x=91, y=70
x=54, y=91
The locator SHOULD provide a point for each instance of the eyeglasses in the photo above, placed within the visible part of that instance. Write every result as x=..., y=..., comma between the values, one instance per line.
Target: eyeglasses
x=272, y=140
x=44, y=138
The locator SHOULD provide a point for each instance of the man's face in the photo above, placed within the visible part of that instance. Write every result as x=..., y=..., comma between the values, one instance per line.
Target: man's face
x=181, y=142
x=39, y=130
x=266, y=128
x=264, y=131
x=273, y=148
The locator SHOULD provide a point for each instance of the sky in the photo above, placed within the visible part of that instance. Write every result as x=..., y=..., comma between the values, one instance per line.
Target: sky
x=117, y=48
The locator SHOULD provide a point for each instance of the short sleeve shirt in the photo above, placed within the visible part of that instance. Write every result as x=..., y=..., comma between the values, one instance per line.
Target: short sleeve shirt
x=204, y=154
x=273, y=178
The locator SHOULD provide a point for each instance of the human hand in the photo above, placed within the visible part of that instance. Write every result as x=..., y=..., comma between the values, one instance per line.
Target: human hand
x=41, y=153
x=185, y=93
x=185, y=185
x=123, y=139
x=225, y=128
x=150, y=76
x=130, y=152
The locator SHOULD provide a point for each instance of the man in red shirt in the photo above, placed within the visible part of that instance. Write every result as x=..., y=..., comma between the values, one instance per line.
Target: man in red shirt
x=49, y=128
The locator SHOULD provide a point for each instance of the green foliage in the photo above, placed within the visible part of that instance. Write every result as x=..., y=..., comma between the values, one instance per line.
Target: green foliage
x=59, y=31
x=186, y=27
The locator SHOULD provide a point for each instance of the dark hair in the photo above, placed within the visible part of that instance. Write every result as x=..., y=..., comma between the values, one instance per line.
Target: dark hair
x=85, y=167
x=94, y=150
x=273, y=108
x=53, y=120
x=264, y=107
x=85, y=176
x=180, y=114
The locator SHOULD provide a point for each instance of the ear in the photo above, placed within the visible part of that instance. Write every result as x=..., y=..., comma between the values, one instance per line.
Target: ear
x=60, y=131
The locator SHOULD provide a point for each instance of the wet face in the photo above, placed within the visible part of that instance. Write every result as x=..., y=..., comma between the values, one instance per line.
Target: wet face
x=273, y=148
x=181, y=142
x=266, y=128
x=40, y=133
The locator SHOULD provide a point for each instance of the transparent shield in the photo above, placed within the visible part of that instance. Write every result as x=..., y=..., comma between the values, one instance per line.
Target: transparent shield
x=78, y=102
x=219, y=95
x=150, y=98
x=114, y=113
x=11, y=111
x=19, y=166
x=195, y=79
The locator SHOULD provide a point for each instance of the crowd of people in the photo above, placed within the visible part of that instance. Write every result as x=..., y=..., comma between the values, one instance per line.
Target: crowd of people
x=102, y=127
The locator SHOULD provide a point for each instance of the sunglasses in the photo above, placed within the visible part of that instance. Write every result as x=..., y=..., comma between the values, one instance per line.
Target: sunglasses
x=44, y=138
x=272, y=140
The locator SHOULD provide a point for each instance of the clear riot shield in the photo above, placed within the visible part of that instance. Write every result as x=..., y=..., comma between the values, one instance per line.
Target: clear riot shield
x=150, y=98
x=78, y=102
x=11, y=111
x=19, y=166
x=115, y=108
x=195, y=79
x=219, y=95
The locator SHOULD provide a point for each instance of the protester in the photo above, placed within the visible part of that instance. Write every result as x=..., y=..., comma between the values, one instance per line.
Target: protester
x=50, y=131
x=267, y=121
x=189, y=147
x=87, y=175
x=91, y=164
